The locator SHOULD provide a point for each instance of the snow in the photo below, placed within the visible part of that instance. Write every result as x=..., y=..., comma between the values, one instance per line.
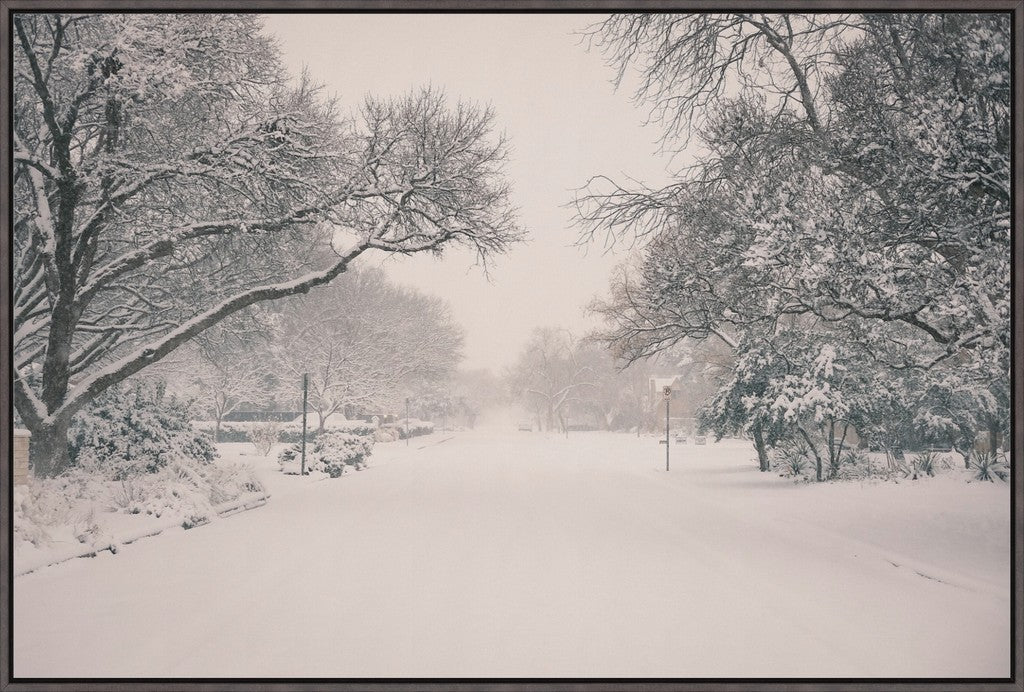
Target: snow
x=501, y=553
x=82, y=511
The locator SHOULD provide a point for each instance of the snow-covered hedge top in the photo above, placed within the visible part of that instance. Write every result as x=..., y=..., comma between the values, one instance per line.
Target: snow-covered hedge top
x=335, y=422
x=340, y=424
x=414, y=424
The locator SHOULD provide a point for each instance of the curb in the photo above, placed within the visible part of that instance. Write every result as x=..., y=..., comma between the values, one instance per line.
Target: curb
x=223, y=510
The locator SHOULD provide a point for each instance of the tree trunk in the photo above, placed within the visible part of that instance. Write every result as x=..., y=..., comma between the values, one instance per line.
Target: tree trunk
x=762, y=453
x=48, y=449
x=814, y=450
x=966, y=452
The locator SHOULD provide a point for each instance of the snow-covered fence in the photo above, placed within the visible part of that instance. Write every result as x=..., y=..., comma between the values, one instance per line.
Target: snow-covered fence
x=20, y=458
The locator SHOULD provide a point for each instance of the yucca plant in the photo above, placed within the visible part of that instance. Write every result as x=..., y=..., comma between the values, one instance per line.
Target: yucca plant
x=924, y=463
x=988, y=466
x=794, y=458
x=855, y=464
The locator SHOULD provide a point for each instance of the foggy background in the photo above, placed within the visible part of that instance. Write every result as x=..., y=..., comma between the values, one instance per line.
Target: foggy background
x=565, y=123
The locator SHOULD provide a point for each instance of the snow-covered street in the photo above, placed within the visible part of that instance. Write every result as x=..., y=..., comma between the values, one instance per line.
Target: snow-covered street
x=499, y=553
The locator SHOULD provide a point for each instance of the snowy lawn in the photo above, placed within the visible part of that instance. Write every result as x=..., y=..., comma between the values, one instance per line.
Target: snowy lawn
x=503, y=553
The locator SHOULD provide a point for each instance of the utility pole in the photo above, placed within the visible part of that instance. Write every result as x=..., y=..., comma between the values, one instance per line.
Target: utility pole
x=305, y=403
x=668, y=397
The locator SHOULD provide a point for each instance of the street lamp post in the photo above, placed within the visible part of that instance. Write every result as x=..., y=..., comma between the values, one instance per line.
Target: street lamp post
x=305, y=402
x=668, y=397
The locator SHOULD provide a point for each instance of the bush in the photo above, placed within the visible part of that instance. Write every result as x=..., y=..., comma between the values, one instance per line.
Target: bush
x=927, y=461
x=988, y=466
x=415, y=428
x=855, y=464
x=330, y=454
x=290, y=433
x=384, y=434
x=136, y=429
x=793, y=457
x=77, y=505
x=228, y=431
x=336, y=450
x=264, y=436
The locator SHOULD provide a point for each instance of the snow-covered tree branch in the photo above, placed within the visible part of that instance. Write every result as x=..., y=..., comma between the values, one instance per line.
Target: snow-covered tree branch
x=168, y=174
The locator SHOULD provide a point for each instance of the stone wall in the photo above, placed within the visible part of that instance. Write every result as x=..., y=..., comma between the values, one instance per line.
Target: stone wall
x=20, y=460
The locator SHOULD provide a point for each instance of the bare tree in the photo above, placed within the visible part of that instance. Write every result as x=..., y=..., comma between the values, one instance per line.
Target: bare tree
x=551, y=376
x=229, y=368
x=363, y=341
x=687, y=62
x=166, y=176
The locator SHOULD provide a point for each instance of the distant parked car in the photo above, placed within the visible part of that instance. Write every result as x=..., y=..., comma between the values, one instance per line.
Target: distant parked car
x=526, y=426
x=681, y=439
x=700, y=440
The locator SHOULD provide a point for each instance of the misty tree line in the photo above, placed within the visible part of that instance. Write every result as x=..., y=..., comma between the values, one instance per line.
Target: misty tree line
x=566, y=381
x=169, y=173
x=844, y=231
x=364, y=343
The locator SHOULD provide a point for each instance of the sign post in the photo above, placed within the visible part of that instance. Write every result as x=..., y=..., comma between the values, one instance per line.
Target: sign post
x=668, y=396
x=305, y=402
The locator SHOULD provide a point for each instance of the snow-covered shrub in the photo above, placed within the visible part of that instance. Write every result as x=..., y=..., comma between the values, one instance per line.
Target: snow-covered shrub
x=129, y=495
x=336, y=450
x=793, y=457
x=926, y=462
x=988, y=466
x=414, y=428
x=37, y=512
x=291, y=432
x=264, y=436
x=136, y=429
x=228, y=432
x=330, y=453
x=855, y=464
x=74, y=506
x=384, y=434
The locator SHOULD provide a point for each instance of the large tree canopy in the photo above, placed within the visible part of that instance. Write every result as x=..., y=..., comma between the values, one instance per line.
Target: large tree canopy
x=853, y=181
x=168, y=173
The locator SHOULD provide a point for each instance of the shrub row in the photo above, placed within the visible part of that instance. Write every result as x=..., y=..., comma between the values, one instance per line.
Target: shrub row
x=415, y=428
x=288, y=432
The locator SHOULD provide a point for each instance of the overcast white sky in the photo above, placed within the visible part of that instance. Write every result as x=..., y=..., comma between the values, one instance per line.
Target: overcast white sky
x=556, y=103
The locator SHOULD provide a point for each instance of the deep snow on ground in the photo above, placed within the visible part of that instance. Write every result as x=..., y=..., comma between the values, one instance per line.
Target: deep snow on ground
x=514, y=554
